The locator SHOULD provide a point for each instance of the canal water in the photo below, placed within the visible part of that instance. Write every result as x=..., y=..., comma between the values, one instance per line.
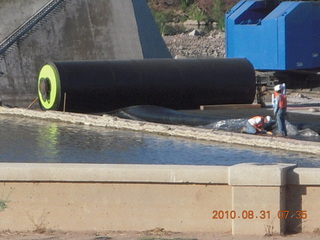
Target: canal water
x=33, y=141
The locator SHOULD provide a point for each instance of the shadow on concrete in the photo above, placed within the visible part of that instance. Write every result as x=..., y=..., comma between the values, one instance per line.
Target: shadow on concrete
x=294, y=193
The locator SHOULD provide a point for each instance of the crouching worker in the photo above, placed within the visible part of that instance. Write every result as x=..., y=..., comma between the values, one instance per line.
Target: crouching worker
x=256, y=124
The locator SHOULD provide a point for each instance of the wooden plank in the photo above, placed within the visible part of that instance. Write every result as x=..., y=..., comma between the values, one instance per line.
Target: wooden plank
x=230, y=106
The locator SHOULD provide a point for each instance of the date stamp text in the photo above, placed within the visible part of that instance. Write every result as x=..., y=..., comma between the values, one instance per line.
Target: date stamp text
x=263, y=214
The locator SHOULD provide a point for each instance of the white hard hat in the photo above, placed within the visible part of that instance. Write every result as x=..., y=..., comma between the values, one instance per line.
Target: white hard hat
x=268, y=118
x=277, y=88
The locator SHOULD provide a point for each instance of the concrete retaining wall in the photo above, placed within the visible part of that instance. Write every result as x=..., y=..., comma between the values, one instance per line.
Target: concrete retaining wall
x=77, y=30
x=242, y=199
x=14, y=13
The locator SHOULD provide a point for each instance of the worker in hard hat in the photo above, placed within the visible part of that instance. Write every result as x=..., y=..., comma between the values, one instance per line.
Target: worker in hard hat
x=280, y=111
x=277, y=88
x=256, y=125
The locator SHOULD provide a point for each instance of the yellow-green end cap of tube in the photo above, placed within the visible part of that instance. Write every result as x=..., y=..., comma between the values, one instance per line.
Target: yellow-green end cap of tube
x=49, y=87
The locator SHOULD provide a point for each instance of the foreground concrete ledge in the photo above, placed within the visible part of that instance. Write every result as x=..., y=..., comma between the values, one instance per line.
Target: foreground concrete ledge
x=217, y=199
x=260, y=188
x=169, y=130
x=304, y=176
x=62, y=172
x=253, y=174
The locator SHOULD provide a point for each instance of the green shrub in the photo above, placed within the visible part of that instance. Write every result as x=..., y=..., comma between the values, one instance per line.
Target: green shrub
x=3, y=205
x=218, y=13
x=162, y=18
x=184, y=4
x=196, y=14
x=200, y=10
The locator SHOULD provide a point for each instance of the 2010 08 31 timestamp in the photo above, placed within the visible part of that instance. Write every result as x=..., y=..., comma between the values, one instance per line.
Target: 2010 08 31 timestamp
x=245, y=214
x=263, y=214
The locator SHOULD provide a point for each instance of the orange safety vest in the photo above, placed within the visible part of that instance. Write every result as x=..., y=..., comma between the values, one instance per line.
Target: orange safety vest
x=259, y=125
x=282, y=101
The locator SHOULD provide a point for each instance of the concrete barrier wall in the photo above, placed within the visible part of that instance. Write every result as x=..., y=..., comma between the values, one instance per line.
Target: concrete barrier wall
x=302, y=200
x=77, y=30
x=242, y=199
x=112, y=197
x=14, y=13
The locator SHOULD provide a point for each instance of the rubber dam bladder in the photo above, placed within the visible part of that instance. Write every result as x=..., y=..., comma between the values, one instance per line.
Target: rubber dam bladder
x=102, y=86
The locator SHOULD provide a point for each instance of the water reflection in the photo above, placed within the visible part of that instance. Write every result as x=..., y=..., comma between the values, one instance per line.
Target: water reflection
x=47, y=142
x=29, y=140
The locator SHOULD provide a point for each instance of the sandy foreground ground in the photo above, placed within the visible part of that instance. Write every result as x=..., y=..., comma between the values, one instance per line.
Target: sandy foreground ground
x=147, y=235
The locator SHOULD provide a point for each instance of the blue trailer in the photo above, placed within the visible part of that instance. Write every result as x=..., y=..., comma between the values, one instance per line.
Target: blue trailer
x=282, y=37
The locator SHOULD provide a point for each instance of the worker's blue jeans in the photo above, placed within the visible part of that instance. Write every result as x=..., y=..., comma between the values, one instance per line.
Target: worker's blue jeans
x=281, y=121
x=249, y=129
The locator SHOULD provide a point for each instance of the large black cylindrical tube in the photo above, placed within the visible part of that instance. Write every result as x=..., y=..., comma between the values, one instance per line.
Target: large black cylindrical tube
x=100, y=86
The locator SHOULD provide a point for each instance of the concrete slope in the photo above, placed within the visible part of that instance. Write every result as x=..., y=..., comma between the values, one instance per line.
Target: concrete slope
x=15, y=13
x=80, y=30
x=152, y=45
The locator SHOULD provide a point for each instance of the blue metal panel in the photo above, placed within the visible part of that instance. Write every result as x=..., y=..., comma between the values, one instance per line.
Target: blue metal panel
x=249, y=35
x=236, y=29
x=298, y=37
x=152, y=44
x=288, y=37
x=316, y=35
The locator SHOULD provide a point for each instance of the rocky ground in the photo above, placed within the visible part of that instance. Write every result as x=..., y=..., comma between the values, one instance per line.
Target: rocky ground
x=197, y=44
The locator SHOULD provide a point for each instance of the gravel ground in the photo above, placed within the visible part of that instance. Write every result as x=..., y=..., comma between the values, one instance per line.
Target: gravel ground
x=209, y=45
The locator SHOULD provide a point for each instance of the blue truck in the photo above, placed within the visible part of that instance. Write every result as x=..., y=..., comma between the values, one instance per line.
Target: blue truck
x=278, y=37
